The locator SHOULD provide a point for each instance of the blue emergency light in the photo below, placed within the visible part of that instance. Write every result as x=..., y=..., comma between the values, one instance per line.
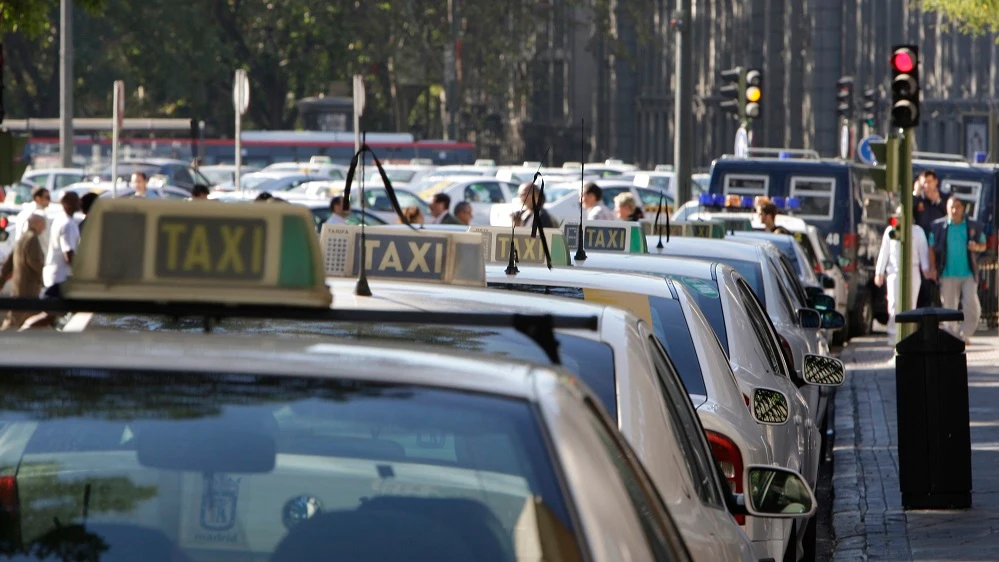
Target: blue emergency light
x=785, y=155
x=718, y=200
x=704, y=200
x=793, y=203
x=747, y=202
x=780, y=202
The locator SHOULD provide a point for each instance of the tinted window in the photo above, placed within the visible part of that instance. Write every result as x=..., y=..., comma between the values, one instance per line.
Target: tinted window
x=121, y=448
x=668, y=324
x=592, y=361
x=763, y=331
x=705, y=294
x=752, y=272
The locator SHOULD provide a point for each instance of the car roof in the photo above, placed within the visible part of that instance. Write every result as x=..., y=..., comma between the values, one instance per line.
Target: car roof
x=154, y=161
x=778, y=239
x=692, y=267
x=705, y=248
x=42, y=171
x=591, y=278
x=381, y=361
x=764, y=165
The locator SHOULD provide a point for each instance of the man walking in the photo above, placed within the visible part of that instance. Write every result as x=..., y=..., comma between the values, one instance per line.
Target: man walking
x=955, y=242
x=40, y=199
x=593, y=204
x=888, y=269
x=24, y=268
x=63, y=241
x=928, y=205
x=439, y=207
x=767, y=212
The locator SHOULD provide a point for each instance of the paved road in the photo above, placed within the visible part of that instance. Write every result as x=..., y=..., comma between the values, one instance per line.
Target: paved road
x=868, y=522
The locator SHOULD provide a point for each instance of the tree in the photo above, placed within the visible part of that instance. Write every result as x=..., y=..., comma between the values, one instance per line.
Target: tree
x=32, y=17
x=976, y=17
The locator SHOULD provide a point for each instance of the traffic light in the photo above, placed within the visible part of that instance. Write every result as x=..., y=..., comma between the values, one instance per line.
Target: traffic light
x=12, y=160
x=844, y=97
x=905, y=86
x=871, y=108
x=886, y=168
x=753, y=93
x=734, y=90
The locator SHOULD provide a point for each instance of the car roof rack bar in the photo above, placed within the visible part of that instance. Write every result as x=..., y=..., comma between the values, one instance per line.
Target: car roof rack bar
x=539, y=327
x=938, y=156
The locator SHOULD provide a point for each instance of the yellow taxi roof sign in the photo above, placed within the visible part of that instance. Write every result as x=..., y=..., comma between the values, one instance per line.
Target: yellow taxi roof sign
x=453, y=258
x=182, y=251
x=698, y=229
x=606, y=236
x=496, y=245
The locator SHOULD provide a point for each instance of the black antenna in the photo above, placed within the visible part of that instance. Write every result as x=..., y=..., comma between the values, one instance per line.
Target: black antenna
x=362, y=289
x=580, y=252
x=511, y=266
x=659, y=229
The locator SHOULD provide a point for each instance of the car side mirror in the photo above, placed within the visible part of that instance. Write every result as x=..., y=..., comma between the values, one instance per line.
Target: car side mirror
x=769, y=406
x=832, y=319
x=822, y=302
x=821, y=370
x=827, y=281
x=777, y=492
x=811, y=291
x=809, y=318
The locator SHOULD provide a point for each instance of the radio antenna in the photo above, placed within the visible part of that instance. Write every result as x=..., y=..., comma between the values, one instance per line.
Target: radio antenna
x=659, y=229
x=511, y=266
x=362, y=289
x=581, y=233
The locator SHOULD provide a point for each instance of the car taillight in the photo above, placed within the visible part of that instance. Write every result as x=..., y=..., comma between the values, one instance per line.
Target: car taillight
x=817, y=268
x=785, y=348
x=729, y=459
x=3, y=222
x=10, y=516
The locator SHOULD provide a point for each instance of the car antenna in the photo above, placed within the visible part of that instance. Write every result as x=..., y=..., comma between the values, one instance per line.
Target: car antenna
x=580, y=234
x=659, y=229
x=362, y=288
x=511, y=266
x=537, y=228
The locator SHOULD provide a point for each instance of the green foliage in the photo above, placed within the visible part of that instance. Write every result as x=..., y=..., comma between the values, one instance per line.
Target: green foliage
x=976, y=17
x=32, y=17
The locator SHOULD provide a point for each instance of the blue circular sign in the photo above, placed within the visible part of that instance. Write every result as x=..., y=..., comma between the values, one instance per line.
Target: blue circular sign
x=864, y=152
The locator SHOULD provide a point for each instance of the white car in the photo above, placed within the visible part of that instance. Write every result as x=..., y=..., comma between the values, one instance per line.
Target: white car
x=566, y=208
x=723, y=405
x=54, y=179
x=321, y=170
x=752, y=345
x=481, y=192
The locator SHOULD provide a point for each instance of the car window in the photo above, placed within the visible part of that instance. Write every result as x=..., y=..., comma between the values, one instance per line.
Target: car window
x=743, y=184
x=484, y=192
x=62, y=180
x=609, y=193
x=752, y=272
x=764, y=336
x=806, y=247
x=650, y=197
x=705, y=294
x=336, y=174
x=792, y=293
x=182, y=177
x=41, y=179
x=118, y=448
x=690, y=432
x=646, y=500
x=816, y=196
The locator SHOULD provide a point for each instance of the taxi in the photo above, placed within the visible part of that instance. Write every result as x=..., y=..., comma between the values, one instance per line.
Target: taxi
x=735, y=424
x=195, y=446
x=752, y=346
x=264, y=255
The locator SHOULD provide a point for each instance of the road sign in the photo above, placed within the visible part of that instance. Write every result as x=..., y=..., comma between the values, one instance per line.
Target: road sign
x=119, y=106
x=844, y=141
x=864, y=152
x=359, y=95
x=741, y=143
x=118, y=109
x=241, y=92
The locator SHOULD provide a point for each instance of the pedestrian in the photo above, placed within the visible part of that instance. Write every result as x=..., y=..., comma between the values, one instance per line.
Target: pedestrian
x=40, y=199
x=140, y=183
x=593, y=204
x=199, y=192
x=889, y=265
x=955, y=242
x=767, y=213
x=63, y=241
x=463, y=212
x=626, y=208
x=533, y=207
x=439, y=209
x=86, y=202
x=928, y=205
x=338, y=214
x=24, y=269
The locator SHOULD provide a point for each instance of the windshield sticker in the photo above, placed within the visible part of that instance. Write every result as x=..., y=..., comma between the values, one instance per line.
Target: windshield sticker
x=700, y=286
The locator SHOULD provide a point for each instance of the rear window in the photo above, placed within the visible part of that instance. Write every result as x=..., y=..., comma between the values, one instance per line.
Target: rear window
x=752, y=272
x=194, y=466
x=705, y=294
x=668, y=324
x=590, y=360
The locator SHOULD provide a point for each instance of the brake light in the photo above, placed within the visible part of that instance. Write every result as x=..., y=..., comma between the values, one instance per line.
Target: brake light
x=785, y=348
x=817, y=268
x=10, y=516
x=3, y=222
x=729, y=459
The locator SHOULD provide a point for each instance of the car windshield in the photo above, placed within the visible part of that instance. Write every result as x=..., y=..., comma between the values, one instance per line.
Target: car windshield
x=394, y=174
x=218, y=176
x=197, y=466
x=126, y=170
x=591, y=361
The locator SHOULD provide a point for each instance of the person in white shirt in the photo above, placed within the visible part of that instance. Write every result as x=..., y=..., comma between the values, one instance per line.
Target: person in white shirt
x=889, y=264
x=62, y=242
x=337, y=213
x=593, y=198
x=40, y=199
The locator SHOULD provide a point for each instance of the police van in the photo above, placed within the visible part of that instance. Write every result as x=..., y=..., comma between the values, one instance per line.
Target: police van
x=838, y=197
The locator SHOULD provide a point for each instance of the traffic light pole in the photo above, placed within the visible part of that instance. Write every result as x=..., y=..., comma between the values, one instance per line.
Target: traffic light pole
x=683, y=109
x=905, y=225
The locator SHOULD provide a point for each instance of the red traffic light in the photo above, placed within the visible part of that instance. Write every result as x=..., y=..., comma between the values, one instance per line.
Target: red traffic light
x=903, y=60
x=893, y=222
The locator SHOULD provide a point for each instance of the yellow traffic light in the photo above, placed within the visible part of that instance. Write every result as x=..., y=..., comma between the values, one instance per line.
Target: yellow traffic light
x=753, y=94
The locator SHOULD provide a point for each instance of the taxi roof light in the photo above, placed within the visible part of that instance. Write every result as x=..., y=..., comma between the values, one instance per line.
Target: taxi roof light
x=606, y=236
x=496, y=245
x=707, y=228
x=453, y=258
x=173, y=251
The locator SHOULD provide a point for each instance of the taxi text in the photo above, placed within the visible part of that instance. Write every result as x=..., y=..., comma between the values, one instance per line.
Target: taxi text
x=210, y=247
x=529, y=250
x=605, y=238
x=404, y=256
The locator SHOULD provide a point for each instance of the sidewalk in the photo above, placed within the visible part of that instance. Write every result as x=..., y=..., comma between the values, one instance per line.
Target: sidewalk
x=868, y=520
